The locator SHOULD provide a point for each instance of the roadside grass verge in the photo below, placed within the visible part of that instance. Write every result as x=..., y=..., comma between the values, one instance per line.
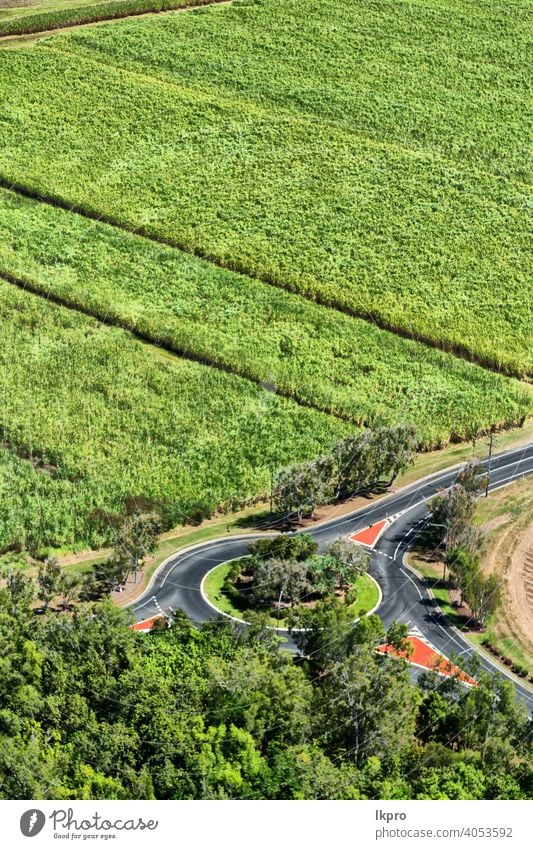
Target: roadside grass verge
x=431, y=462
x=431, y=569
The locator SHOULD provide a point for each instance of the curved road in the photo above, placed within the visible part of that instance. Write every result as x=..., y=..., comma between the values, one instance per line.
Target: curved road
x=405, y=597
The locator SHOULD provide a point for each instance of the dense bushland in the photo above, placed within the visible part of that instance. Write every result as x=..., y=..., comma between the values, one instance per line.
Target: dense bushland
x=92, y=710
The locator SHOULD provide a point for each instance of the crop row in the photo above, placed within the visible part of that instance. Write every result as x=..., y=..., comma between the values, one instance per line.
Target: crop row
x=91, y=421
x=389, y=234
x=74, y=16
x=313, y=354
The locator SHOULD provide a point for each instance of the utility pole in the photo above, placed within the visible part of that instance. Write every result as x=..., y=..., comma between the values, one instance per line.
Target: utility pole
x=492, y=440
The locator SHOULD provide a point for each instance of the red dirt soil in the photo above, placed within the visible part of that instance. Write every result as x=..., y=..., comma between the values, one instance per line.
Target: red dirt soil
x=426, y=656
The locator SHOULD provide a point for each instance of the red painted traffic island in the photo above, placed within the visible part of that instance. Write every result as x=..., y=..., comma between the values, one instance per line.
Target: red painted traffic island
x=146, y=624
x=427, y=657
x=369, y=536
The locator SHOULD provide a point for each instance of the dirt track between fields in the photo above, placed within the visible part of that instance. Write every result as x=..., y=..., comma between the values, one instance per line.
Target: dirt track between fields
x=32, y=36
x=16, y=4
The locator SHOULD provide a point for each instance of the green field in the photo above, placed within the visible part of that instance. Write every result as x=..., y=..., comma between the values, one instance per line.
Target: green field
x=95, y=420
x=443, y=75
x=315, y=355
x=325, y=199
x=423, y=231
x=18, y=9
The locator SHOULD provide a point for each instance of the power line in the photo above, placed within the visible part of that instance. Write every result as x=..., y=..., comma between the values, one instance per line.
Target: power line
x=491, y=443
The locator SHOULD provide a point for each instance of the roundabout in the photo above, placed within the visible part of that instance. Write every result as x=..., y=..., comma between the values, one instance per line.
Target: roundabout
x=212, y=588
x=405, y=597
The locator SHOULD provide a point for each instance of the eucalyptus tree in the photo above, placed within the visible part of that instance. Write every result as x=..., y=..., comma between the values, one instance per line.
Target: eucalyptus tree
x=275, y=580
x=48, y=579
x=137, y=536
x=300, y=488
x=473, y=478
x=367, y=705
x=348, y=560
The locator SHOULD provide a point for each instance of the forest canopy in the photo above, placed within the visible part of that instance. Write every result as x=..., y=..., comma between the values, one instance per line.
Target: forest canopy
x=90, y=709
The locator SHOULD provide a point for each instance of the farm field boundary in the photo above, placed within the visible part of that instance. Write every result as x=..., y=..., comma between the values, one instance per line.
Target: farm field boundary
x=47, y=23
x=163, y=344
x=457, y=350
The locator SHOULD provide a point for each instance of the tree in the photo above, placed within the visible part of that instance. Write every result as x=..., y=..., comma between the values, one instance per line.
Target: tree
x=348, y=561
x=357, y=462
x=48, y=577
x=397, y=637
x=285, y=547
x=322, y=572
x=353, y=464
x=453, y=510
x=306, y=772
x=460, y=781
x=483, y=595
x=276, y=580
x=301, y=487
x=327, y=633
x=472, y=478
x=462, y=565
x=19, y=591
x=399, y=447
x=264, y=692
x=68, y=587
x=437, y=718
x=492, y=722
x=368, y=706
x=363, y=459
x=112, y=573
x=137, y=537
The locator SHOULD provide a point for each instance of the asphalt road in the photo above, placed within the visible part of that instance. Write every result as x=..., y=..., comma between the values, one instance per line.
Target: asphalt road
x=177, y=584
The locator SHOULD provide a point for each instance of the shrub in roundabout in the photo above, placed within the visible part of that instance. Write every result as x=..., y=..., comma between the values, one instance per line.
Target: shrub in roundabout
x=285, y=573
